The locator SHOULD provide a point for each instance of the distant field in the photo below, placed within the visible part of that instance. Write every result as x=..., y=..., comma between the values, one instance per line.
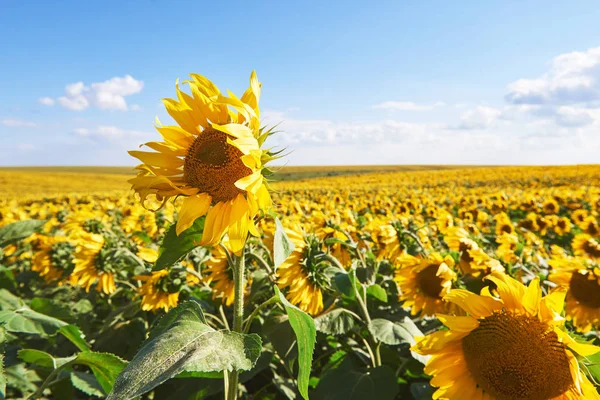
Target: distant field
x=282, y=173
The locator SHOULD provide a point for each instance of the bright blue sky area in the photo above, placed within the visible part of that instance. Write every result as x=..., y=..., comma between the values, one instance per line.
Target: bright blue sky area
x=325, y=63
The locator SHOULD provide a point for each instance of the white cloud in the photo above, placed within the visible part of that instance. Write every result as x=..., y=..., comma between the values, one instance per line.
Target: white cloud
x=47, y=101
x=108, y=132
x=572, y=78
x=480, y=117
x=18, y=123
x=406, y=106
x=107, y=95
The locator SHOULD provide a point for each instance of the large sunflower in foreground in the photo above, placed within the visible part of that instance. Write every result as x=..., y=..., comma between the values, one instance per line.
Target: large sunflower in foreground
x=424, y=281
x=583, y=298
x=509, y=348
x=213, y=157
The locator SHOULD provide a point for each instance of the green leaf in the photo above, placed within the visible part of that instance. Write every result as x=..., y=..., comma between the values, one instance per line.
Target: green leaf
x=105, y=366
x=377, y=292
x=174, y=247
x=9, y=301
x=19, y=377
x=282, y=245
x=335, y=322
x=19, y=230
x=343, y=281
x=2, y=378
x=306, y=335
x=74, y=334
x=51, y=308
x=421, y=390
x=25, y=320
x=43, y=359
x=86, y=383
x=182, y=341
x=593, y=365
x=390, y=333
x=346, y=383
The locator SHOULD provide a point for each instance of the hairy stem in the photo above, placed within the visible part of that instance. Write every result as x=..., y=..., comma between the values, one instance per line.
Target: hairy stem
x=238, y=316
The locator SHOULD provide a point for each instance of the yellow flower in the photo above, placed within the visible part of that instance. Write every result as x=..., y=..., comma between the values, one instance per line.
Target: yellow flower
x=213, y=158
x=220, y=274
x=586, y=246
x=54, y=257
x=583, y=298
x=161, y=289
x=424, y=282
x=90, y=266
x=300, y=274
x=507, y=348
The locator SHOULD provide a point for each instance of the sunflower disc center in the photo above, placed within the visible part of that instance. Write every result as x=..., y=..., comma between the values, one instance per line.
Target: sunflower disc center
x=585, y=290
x=514, y=356
x=428, y=281
x=213, y=166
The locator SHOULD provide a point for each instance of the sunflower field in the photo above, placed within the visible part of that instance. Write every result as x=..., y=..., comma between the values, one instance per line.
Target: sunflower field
x=212, y=280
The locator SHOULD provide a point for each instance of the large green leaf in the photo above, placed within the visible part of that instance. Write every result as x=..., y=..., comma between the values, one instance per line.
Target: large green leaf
x=25, y=320
x=174, y=247
x=43, y=359
x=18, y=230
x=593, y=365
x=182, y=341
x=335, y=322
x=86, y=383
x=9, y=301
x=105, y=366
x=306, y=334
x=377, y=292
x=282, y=245
x=74, y=334
x=390, y=333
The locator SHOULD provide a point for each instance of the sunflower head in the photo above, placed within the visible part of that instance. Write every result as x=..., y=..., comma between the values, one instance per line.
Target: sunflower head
x=511, y=347
x=214, y=158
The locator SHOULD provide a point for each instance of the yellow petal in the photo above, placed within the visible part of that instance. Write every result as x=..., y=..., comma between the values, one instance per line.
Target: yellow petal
x=436, y=341
x=193, y=207
x=238, y=224
x=511, y=291
x=236, y=130
x=476, y=306
x=457, y=323
x=583, y=349
x=533, y=295
x=250, y=183
x=552, y=304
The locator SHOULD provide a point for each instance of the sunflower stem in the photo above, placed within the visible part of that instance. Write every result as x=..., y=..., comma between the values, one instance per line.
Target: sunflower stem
x=238, y=316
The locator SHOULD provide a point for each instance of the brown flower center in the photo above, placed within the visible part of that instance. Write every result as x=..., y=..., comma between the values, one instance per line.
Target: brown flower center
x=585, y=290
x=213, y=166
x=513, y=356
x=428, y=281
x=591, y=248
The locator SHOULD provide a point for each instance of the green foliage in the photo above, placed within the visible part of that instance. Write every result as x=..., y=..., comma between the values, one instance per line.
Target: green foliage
x=87, y=383
x=304, y=328
x=335, y=322
x=19, y=230
x=25, y=320
x=182, y=341
x=282, y=245
x=174, y=247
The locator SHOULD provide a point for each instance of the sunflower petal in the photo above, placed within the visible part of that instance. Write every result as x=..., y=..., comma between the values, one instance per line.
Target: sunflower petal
x=193, y=208
x=477, y=306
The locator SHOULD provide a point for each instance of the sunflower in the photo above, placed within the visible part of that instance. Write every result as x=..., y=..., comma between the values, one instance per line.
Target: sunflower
x=220, y=274
x=213, y=158
x=91, y=266
x=54, y=258
x=301, y=273
x=583, y=298
x=586, y=246
x=508, y=246
x=388, y=242
x=590, y=226
x=161, y=289
x=508, y=348
x=562, y=226
x=424, y=281
x=503, y=225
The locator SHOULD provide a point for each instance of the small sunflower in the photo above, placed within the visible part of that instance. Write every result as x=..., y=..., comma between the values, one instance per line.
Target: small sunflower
x=213, y=158
x=161, y=288
x=54, y=258
x=301, y=273
x=585, y=245
x=504, y=225
x=91, y=266
x=583, y=298
x=219, y=273
x=562, y=226
x=424, y=281
x=509, y=348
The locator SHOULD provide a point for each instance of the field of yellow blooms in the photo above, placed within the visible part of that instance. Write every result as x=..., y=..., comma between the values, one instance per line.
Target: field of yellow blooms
x=466, y=283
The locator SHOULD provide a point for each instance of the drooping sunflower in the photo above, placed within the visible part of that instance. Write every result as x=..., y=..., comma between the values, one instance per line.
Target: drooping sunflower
x=219, y=275
x=54, y=258
x=424, y=281
x=583, y=298
x=213, y=158
x=302, y=273
x=91, y=266
x=161, y=288
x=509, y=348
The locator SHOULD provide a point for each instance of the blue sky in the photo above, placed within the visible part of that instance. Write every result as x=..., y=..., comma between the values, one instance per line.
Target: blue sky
x=392, y=82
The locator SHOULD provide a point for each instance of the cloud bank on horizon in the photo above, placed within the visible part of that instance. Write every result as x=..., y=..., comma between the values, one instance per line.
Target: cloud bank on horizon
x=549, y=117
